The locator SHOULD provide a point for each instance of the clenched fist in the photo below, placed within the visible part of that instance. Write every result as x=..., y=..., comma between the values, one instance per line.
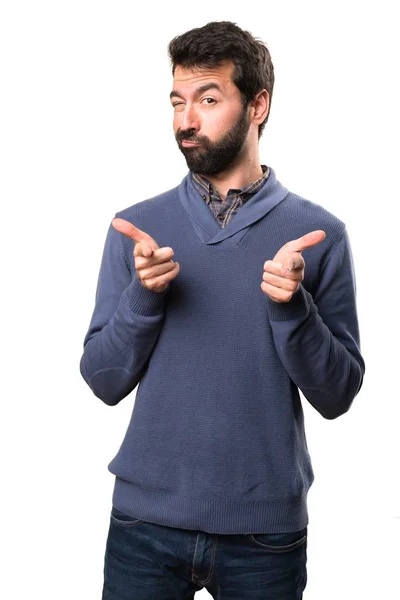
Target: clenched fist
x=154, y=265
x=282, y=275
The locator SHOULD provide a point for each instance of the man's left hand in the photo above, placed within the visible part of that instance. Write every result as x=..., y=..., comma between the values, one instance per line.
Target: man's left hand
x=282, y=275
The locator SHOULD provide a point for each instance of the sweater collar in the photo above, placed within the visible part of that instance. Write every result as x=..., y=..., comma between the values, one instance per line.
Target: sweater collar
x=204, y=222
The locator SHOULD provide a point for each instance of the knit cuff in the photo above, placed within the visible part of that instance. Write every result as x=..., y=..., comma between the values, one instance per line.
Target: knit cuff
x=297, y=307
x=143, y=301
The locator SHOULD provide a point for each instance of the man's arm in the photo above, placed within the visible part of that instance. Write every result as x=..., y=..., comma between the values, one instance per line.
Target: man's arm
x=123, y=331
x=317, y=338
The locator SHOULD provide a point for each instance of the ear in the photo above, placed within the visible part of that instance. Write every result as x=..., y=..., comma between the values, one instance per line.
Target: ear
x=260, y=107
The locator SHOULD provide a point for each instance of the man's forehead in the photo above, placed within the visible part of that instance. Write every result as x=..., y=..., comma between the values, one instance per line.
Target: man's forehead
x=188, y=76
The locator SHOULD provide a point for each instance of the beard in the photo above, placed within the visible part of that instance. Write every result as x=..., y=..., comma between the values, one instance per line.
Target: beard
x=211, y=158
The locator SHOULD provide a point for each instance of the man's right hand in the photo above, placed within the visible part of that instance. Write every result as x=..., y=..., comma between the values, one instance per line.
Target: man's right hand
x=154, y=265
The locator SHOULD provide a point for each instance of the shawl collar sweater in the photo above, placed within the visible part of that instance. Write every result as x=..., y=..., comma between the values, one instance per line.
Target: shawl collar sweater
x=216, y=439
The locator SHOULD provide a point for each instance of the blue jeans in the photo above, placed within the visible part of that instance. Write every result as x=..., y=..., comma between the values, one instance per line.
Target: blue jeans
x=147, y=561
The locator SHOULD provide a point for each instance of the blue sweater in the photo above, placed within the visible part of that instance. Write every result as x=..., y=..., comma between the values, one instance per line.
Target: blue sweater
x=216, y=439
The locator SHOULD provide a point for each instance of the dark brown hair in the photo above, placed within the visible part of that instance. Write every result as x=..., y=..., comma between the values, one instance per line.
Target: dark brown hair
x=221, y=41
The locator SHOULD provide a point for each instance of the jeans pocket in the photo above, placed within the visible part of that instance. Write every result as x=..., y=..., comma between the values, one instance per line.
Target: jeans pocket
x=279, y=542
x=122, y=519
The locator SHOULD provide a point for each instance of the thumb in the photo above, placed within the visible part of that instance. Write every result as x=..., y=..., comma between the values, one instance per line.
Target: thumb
x=134, y=233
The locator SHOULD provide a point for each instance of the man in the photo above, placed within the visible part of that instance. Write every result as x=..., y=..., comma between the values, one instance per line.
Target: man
x=206, y=301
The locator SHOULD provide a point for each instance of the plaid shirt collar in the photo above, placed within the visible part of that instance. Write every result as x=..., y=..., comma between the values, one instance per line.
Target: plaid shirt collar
x=207, y=190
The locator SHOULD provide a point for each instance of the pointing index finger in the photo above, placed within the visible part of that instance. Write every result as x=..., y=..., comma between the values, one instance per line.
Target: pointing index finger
x=306, y=241
x=132, y=232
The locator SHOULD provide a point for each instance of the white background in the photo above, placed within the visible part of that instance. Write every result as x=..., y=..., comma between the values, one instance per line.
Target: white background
x=86, y=130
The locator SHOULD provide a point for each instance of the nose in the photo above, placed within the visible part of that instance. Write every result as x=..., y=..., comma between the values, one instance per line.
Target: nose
x=190, y=119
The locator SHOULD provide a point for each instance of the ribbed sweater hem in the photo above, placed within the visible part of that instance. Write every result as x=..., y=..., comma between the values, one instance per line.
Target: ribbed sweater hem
x=211, y=516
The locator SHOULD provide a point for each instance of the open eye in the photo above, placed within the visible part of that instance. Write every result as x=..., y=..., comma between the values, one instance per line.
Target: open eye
x=208, y=98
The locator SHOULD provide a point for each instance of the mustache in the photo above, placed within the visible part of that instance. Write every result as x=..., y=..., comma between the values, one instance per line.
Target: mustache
x=182, y=136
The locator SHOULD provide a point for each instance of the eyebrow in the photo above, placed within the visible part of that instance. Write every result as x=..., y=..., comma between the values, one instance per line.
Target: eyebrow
x=200, y=90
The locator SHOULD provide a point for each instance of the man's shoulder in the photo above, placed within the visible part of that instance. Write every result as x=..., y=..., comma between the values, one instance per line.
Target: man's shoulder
x=312, y=214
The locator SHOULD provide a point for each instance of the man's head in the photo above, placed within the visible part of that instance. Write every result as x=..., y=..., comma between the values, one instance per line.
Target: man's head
x=222, y=89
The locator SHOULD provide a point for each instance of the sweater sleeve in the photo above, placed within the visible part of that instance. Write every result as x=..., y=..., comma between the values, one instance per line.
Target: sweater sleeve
x=317, y=338
x=124, y=327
